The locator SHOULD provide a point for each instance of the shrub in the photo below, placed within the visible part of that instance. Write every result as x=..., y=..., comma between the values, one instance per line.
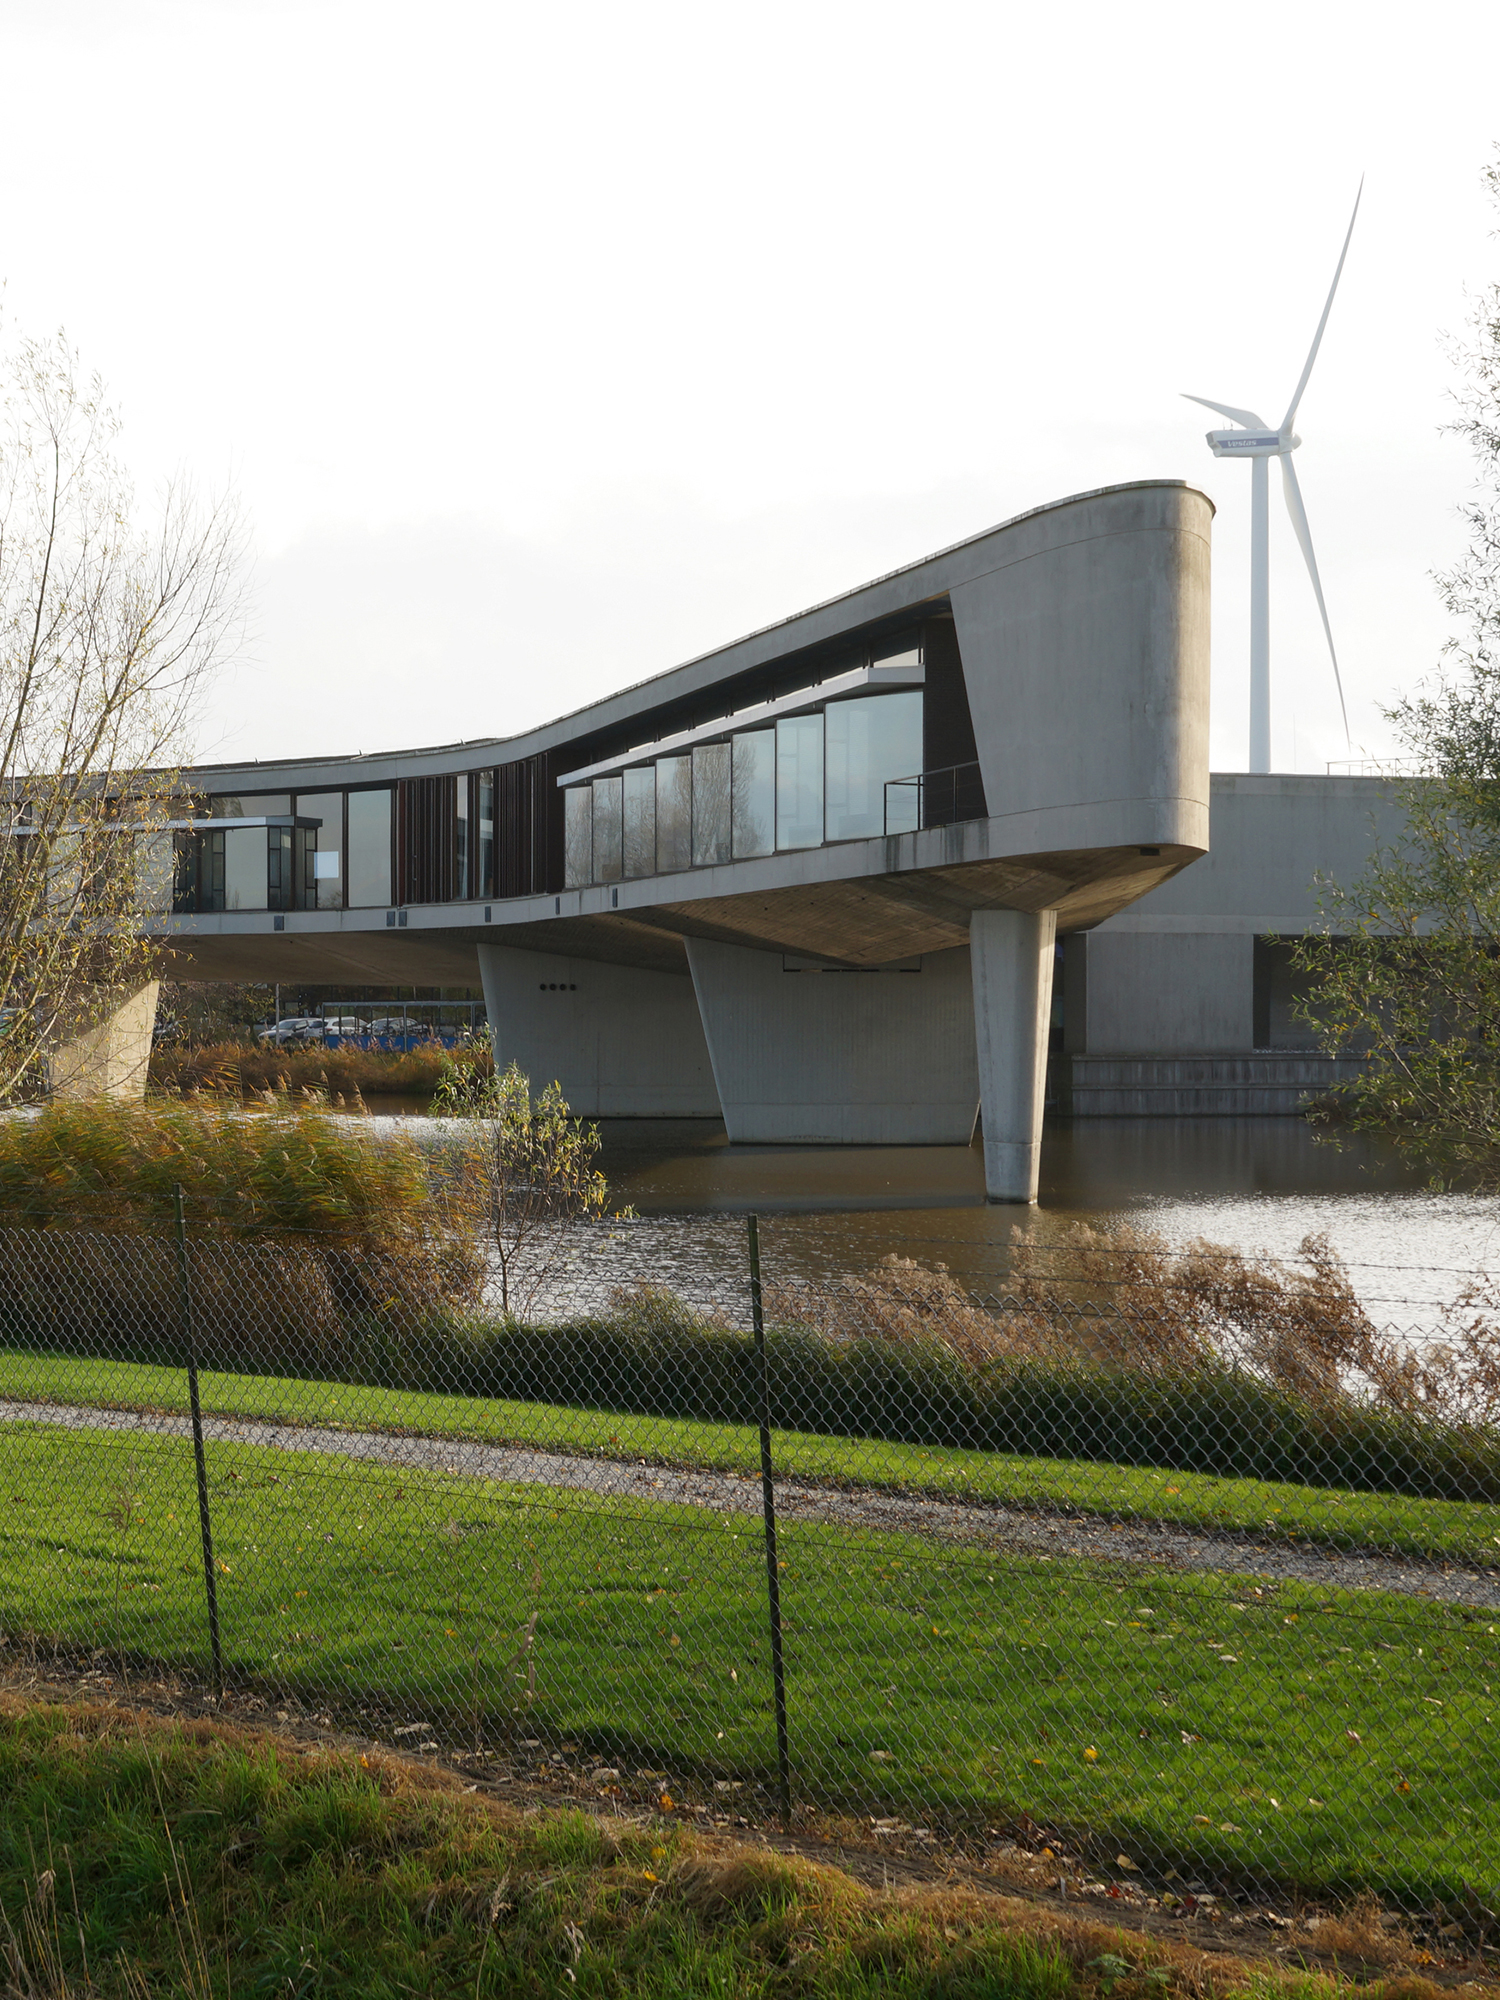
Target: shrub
x=347, y=1225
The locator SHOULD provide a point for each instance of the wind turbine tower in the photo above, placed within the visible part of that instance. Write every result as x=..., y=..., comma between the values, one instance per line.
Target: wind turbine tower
x=1260, y=443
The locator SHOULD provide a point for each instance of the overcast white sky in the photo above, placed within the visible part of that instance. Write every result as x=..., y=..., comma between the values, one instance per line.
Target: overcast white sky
x=551, y=345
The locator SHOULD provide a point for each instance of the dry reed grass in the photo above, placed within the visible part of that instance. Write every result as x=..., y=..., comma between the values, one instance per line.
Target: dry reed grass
x=247, y=1069
x=1122, y=1298
x=325, y=1221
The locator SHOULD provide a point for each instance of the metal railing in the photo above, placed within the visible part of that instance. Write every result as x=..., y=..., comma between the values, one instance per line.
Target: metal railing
x=934, y=798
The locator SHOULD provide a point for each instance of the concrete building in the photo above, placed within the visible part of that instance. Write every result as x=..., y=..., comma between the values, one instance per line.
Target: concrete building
x=815, y=882
x=1185, y=1002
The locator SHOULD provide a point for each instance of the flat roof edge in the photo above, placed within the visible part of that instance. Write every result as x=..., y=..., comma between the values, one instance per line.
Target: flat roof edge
x=476, y=744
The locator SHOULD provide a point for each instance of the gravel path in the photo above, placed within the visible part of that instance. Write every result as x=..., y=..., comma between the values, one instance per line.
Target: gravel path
x=1039, y=1533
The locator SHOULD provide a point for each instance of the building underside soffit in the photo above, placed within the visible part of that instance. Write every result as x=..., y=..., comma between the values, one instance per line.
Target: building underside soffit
x=872, y=920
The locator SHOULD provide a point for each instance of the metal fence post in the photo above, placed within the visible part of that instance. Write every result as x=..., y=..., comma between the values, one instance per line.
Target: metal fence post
x=768, y=1509
x=210, y=1583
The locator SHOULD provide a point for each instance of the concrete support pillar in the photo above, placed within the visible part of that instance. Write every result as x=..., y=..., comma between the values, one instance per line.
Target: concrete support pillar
x=104, y=1048
x=832, y=1058
x=622, y=1042
x=1011, y=955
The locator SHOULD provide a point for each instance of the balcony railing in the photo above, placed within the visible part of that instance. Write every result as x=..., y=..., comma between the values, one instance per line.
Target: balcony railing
x=934, y=798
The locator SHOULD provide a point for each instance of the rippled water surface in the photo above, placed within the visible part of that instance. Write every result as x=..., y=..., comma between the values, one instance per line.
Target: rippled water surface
x=1256, y=1183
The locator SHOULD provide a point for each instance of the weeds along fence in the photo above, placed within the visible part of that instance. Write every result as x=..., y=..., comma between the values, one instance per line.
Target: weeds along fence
x=1190, y=1588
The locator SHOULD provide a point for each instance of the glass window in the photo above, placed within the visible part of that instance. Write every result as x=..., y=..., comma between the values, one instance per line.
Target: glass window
x=754, y=813
x=155, y=867
x=252, y=805
x=640, y=821
x=461, y=837
x=710, y=804
x=281, y=878
x=486, y=883
x=869, y=742
x=245, y=868
x=211, y=878
x=799, y=781
x=369, y=858
x=326, y=848
x=608, y=805
x=578, y=836
x=674, y=814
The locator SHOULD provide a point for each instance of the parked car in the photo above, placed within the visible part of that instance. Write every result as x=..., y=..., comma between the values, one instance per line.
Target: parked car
x=294, y=1028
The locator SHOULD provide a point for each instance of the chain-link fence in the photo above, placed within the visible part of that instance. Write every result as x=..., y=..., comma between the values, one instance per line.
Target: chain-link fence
x=1194, y=1592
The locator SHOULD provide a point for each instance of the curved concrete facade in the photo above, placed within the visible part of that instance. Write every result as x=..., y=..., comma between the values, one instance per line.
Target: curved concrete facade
x=1064, y=667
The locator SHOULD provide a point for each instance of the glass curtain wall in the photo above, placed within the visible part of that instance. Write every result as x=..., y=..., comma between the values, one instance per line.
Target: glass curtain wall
x=461, y=850
x=799, y=781
x=640, y=821
x=674, y=814
x=485, y=886
x=246, y=869
x=608, y=828
x=578, y=836
x=328, y=847
x=369, y=858
x=754, y=793
x=871, y=741
x=804, y=780
x=710, y=805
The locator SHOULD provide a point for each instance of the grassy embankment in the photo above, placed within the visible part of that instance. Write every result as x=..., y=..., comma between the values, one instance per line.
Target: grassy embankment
x=1267, y=1509
x=212, y=1861
x=1307, y=1736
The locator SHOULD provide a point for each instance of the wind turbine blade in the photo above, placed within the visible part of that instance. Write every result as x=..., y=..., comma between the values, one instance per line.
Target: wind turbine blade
x=1298, y=513
x=1246, y=417
x=1312, y=352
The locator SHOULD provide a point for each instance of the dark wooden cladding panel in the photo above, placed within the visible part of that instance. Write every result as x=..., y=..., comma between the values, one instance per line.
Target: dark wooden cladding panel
x=425, y=849
x=529, y=827
x=547, y=866
x=512, y=831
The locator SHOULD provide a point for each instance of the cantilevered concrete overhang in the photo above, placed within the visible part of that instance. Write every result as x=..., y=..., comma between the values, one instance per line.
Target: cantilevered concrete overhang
x=859, y=904
x=1082, y=633
x=1063, y=663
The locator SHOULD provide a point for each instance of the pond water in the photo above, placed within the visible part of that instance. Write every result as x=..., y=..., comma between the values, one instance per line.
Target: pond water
x=1260, y=1184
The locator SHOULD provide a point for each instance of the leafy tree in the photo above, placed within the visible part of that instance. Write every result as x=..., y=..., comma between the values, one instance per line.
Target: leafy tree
x=530, y=1170
x=1407, y=973
x=110, y=623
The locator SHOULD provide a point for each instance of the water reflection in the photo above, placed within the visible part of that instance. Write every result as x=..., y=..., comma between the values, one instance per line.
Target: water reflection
x=1256, y=1183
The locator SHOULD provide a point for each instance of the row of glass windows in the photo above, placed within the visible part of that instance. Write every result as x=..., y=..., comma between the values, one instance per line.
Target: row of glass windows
x=800, y=782
x=344, y=860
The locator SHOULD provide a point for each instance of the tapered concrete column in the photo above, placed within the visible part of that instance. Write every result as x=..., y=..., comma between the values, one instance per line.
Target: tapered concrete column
x=623, y=1042
x=104, y=1048
x=838, y=1058
x=1010, y=953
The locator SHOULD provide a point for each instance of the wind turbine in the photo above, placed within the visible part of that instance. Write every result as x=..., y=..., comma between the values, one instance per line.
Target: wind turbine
x=1260, y=443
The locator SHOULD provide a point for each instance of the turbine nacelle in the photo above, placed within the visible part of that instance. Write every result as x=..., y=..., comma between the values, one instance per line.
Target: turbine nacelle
x=1250, y=444
x=1255, y=439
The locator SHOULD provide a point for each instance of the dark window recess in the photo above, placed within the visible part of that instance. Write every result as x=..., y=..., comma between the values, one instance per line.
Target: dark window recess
x=189, y=873
x=529, y=826
x=948, y=744
x=281, y=883
x=426, y=850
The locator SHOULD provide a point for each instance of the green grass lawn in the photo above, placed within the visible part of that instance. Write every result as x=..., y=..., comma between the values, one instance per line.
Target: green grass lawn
x=1328, y=1739
x=1468, y=1531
